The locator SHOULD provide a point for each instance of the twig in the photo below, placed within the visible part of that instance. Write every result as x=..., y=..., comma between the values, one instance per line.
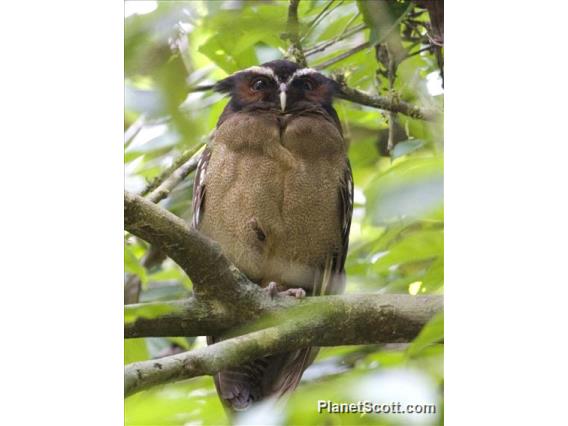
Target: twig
x=343, y=56
x=418, y=52
x=324, y=45
x=348, y=24
x=386, y=103
x=202, y=88
x=320, y=16
x=177, y=176
x=314, y=21
x=179, y=161
x=134, y=129
x=292, y=33
x=391, y=64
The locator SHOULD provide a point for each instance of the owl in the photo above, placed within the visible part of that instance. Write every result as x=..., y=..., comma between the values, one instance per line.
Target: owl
x=274, y=188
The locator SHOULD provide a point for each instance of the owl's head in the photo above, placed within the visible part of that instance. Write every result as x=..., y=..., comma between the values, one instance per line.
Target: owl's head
x=279, y=85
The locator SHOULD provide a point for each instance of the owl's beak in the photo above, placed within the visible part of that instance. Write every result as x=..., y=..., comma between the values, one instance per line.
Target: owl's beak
x=283, y=96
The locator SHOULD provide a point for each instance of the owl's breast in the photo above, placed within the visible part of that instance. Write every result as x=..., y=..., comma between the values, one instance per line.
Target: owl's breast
x=271, y=202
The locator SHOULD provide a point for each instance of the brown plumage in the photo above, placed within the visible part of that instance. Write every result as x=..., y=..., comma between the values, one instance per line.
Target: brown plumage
x=275, y=190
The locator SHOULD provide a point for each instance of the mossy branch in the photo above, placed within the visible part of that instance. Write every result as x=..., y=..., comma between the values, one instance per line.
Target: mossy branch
x=295, y=51
x=225, y=302
x=318, y=321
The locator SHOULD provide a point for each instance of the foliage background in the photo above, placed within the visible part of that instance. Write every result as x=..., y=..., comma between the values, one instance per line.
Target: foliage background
x=396, y=242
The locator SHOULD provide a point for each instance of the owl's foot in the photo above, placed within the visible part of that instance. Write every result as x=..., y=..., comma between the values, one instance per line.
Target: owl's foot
x=272, y=290
x=297, y=293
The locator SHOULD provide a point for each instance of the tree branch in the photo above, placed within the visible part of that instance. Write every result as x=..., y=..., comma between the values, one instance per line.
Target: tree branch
x=175, y=177
x=381, y=102
x=293, y=34
x=193, y=317
x=162, y=185
x=216, y=281
x=318, y=321
x=319, y=15
x=323, y=14
x=385, y=103
x=226, y=303
x=199, y=257
x=178, y=162
x=343, y=56
x=324, y=45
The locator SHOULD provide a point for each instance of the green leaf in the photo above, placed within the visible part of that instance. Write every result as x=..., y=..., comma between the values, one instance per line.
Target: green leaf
x=433, y=332
x=135, y=350
x=420, y=245
x=181, y=342
x=406, y=147
x=154, y=310
x=383, y=16
x=434, y=276
x=412, y=189
x=132, y=264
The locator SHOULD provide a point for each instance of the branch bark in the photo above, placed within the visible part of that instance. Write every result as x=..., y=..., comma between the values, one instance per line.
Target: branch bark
x=175, y=177
x=193, y=317
x=293, y=34
x=386, y=103
x=156, y=191
x=343, y=56
x=318, y=321
x=324, y=45
x=216, y=281
x=226, y=303
x=177, y=164
x=200, y=258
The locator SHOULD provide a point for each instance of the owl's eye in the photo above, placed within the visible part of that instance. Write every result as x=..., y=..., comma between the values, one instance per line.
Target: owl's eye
x=303, y=84
x=259, y=84
x=307, y=85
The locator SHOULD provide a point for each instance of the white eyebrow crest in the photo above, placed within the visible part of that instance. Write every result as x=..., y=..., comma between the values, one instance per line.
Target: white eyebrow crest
x=303, y=71
x=262, y=70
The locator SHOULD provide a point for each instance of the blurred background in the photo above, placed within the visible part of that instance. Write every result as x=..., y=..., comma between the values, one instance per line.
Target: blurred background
x=396, y=242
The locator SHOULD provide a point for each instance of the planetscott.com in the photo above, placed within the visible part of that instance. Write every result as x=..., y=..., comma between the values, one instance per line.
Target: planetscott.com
x=374, y=407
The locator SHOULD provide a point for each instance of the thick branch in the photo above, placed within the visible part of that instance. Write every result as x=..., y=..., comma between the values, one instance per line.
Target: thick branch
x=163, y=185
x=193, y=317
x=318, y=321
x=225, y=299
x=199, y=257
x=214, y=277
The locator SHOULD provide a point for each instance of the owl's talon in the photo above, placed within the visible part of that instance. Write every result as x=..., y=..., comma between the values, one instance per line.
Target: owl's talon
x=271, y=289
x=297, y=293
